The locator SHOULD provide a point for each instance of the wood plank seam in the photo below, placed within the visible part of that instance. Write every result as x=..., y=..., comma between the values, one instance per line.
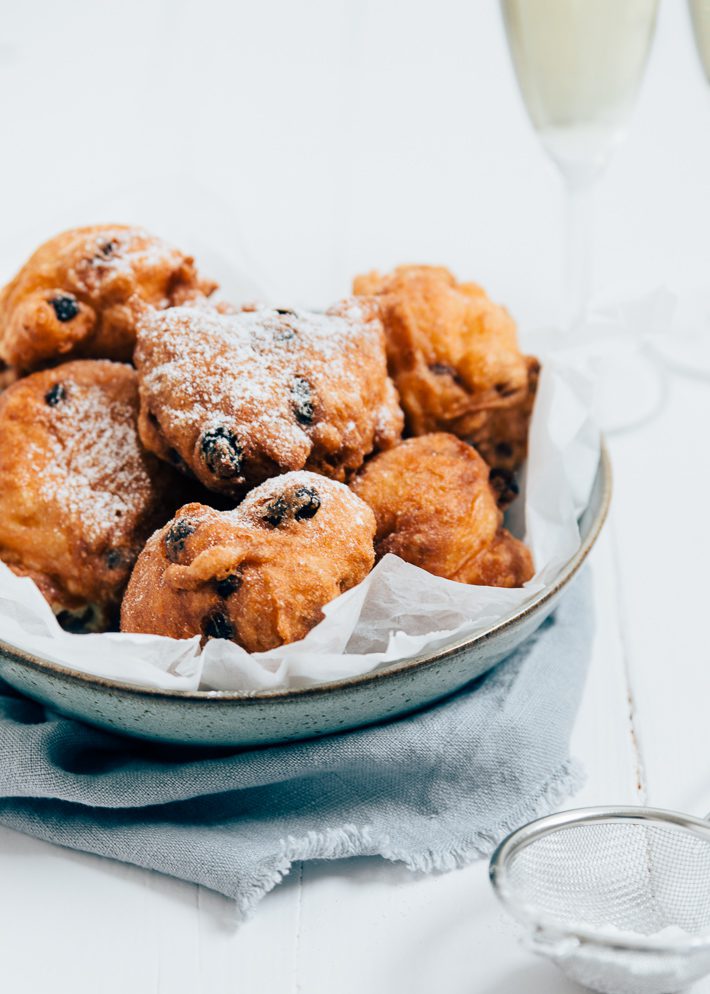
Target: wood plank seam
x=622, y=617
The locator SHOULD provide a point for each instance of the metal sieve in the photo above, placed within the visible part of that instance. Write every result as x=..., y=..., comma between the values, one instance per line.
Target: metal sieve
x=618, y=898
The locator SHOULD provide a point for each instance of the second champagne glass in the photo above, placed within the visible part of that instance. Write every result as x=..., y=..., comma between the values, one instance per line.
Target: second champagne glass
x=687, y=350
x=700, y=18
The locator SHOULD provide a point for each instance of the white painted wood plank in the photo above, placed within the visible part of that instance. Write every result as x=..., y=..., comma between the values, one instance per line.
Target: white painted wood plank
x=663, y=478
x=64, y=918
x=256, y=957
x=77, y=923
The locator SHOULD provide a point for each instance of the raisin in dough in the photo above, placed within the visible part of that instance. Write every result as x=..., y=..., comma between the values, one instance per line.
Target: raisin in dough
x=258, y=574
x=237, y=398
x=79, y=495
x=454, y=358
x=75, y=296
x=435, y=508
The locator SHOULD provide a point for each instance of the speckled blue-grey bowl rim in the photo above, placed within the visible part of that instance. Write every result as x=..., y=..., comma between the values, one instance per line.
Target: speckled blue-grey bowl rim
x=374, y=677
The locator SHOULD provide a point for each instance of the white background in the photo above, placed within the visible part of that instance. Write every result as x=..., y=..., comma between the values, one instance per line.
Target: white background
x=340, y=136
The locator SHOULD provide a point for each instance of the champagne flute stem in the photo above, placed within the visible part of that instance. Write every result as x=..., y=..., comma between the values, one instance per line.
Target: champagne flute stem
x=577, y=271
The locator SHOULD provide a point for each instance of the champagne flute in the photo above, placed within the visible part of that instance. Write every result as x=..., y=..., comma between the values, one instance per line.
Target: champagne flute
x=700, y=18
x=687, y=350
x=579, y=64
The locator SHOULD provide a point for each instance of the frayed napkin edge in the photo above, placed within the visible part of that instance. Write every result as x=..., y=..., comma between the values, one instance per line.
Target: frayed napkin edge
x=352, y=841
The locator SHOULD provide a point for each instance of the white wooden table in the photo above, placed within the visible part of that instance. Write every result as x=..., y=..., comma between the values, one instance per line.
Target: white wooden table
x=342, y=135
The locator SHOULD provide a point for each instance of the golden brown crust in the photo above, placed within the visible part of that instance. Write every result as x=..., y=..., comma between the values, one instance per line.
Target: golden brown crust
x=454, y=358
x=435, y=508
x=79, y=496
x=236, y=398
x=259, y=574
x=502, y=436
x=72, y=298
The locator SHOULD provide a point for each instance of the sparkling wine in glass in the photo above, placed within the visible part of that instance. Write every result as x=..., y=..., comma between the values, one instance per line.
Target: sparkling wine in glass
x=700, y=18
x=579, y=65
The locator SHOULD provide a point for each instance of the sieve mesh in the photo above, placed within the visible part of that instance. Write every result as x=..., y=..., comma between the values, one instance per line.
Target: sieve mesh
x=598, y=885
x=636, y=877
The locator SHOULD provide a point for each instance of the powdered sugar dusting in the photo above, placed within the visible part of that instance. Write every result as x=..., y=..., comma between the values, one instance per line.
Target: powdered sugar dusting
x=95, y=470
x=298, y=389
x=116, y=256
x=82, y=464
x=328, y=492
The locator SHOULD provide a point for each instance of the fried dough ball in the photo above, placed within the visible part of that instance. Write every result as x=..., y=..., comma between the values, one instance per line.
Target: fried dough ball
x=502, y=439
x=435, y=508
x=71, y=298
x=454, y=358
x=258, y=574
x=238, y=398
x=79, y=496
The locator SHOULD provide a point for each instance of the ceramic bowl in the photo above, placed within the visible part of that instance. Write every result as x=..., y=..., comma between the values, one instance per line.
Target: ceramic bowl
x=230, y=719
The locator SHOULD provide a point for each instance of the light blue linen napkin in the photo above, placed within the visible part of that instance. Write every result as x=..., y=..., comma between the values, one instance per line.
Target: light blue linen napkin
x=434, y=790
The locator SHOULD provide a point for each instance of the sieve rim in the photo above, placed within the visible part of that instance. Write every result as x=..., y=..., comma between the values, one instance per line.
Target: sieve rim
x=540, y=827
